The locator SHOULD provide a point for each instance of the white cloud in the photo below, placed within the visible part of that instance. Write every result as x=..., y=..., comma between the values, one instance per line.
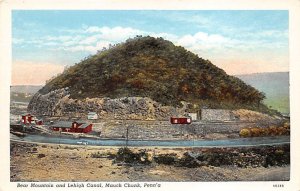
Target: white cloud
x=207, y=44
x=215, y=47
x=17, y=41
x=35, y=41
x=187, y=40
x=117, y=34
x=80, y=48
x=72, y=42
x=204, y=44
x=205, y=38
x=166, y=36
x=58, y=38
x=93, y=29
x=88, y=48
x=95, y=38
x=91, y=39
x=50, y=43
x=102, y=44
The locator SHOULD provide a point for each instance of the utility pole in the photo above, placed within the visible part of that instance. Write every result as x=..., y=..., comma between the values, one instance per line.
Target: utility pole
x=126, y=135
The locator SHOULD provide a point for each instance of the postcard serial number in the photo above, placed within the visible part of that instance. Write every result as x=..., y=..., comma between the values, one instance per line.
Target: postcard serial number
x=278, y=185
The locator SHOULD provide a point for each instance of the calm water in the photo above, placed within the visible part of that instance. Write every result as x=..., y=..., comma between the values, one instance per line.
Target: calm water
x=177, y=143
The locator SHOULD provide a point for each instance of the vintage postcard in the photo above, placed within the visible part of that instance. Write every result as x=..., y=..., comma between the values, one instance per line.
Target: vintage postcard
x=156, y=96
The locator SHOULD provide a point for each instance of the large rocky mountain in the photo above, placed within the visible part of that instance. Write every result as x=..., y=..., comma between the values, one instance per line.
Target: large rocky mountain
x=154, y=68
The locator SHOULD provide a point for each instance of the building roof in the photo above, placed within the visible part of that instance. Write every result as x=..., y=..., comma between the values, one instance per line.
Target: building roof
x=84, y=125
x=63, y=124
x=80, y=122
x=68, y=124
x=26, y=114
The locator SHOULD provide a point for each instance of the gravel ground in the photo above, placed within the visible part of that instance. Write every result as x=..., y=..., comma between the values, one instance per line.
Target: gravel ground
x=32, y=162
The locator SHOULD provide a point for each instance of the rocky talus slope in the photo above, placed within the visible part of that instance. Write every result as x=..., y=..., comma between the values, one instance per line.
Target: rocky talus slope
x=58, y=103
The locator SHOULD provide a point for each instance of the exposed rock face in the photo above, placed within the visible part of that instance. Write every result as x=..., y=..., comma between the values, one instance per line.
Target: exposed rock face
x=58, y=103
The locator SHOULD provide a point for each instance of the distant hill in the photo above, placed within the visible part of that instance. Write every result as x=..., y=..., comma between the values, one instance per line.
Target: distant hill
x=274, y=85
x=23, y=93
x=155, y=68
x=29, y=89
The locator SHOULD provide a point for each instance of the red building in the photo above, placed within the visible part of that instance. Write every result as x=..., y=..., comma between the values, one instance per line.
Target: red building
x=180, y=120
x=28, y=119
x=74, y=127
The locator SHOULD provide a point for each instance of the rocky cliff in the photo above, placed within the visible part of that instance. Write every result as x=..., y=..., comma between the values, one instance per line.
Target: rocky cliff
x=59, y=103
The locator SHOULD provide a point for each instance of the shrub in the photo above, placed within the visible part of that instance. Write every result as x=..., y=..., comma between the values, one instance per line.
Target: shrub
x=245, y=132
x=286, y=125
x=128, y=156
x=167, y=159
x=264, y=131
x=270, y=131
x=281, y=131
x=256, y=132
x=273, y=131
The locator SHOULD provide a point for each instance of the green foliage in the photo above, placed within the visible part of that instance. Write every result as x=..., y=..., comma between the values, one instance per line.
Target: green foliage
x=245, y=132
x=155, y=68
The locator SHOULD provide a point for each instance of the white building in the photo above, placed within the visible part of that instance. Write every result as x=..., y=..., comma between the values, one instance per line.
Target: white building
x=193, y=116
x=92, y=115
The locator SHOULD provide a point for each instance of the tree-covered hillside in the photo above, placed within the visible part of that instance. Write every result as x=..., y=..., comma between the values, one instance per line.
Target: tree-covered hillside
x=155, y=68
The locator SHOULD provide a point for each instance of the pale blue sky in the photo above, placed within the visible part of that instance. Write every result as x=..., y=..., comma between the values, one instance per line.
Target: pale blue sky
x=237, y=41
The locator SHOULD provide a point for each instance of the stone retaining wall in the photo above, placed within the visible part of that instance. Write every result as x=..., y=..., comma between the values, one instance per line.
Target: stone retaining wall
x=217, y=115
x=164, y=130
